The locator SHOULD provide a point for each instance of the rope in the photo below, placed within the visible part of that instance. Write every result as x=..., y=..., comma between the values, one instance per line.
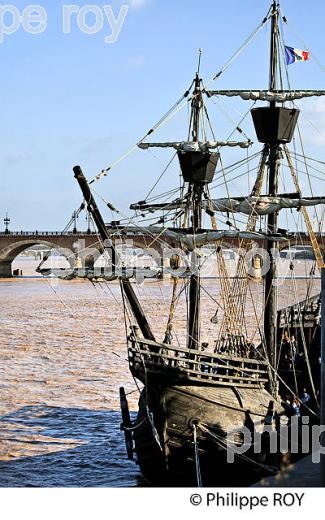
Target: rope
x=171, y=112
x=304, y=341
x=148, y=412
x=227, y=446
x=169, y=326
x=234, y=318
x=303, y=43
x=183, y=101
x=161, y=176
x=134, y=428
x=197, y=458
x=241, y=48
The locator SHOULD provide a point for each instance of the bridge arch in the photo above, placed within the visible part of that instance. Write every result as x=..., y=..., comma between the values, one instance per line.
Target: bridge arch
x=9, y=253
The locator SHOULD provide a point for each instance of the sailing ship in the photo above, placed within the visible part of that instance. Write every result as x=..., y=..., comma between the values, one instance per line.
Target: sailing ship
x=193, y=393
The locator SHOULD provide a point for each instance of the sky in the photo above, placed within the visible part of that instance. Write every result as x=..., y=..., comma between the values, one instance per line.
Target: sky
x=71, y=98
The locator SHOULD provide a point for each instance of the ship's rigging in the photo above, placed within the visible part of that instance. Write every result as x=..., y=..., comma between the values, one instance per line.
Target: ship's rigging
x=240, y=356
x=189, y=207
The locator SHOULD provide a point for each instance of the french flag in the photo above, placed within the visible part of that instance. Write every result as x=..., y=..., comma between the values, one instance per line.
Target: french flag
x=293, y=55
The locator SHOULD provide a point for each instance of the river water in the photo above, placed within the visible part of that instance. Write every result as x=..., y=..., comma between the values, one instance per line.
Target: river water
x=62, y=361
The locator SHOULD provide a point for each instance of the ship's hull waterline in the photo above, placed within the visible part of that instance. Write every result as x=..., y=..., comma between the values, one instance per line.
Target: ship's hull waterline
x=224, y=411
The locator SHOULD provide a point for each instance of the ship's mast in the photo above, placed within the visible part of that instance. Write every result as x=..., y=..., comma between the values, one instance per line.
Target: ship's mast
x=270, y=310
x=102, y=229
x=197, y=191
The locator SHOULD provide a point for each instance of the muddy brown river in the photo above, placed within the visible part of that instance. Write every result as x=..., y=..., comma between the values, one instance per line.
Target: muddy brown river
x=62, y=361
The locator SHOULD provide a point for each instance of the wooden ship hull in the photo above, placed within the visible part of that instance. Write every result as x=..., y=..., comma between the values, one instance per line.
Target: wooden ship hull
x=217, y=394
x=222, y=410
x=220, y=394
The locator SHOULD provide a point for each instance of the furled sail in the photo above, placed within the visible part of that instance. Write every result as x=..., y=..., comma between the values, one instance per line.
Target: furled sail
x=193, y=146
x=279, y=96
x=263, y=205
x=189, y=242
x=247, y=205
x=143, y=206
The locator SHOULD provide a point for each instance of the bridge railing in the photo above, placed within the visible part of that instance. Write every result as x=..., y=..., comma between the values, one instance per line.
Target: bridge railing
x=45, y=233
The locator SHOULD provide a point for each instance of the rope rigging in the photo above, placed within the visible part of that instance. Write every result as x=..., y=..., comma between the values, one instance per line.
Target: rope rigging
x=182, y=102
x=234, y=295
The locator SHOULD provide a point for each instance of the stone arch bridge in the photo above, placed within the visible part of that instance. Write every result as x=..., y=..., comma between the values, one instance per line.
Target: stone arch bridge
x=82, y=246
x=86, y=246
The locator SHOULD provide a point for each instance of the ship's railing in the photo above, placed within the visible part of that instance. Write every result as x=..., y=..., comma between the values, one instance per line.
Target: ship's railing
x=182, y=365
x=307, y=312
